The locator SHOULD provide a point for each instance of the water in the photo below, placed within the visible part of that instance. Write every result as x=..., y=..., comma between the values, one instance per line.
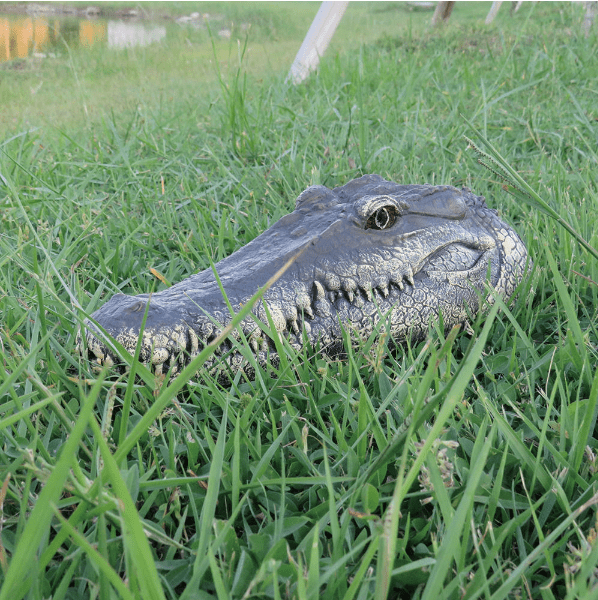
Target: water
x=26, y=35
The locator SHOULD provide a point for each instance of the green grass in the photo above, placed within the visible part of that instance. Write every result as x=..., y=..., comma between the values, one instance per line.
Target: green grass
x=464, y=466
x=76, y=88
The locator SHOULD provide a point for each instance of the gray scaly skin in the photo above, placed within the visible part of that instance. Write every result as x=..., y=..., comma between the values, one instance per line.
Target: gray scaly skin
x=364, y=250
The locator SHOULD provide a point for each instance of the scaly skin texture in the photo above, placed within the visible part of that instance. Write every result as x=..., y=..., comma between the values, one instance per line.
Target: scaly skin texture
x=366, y=250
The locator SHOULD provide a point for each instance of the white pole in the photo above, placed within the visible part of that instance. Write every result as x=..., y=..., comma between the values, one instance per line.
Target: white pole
x=493, y=12
x=591, y=12
x=317, y=39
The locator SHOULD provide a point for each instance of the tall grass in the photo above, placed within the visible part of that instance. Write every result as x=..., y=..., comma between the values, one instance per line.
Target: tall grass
x=464, y=466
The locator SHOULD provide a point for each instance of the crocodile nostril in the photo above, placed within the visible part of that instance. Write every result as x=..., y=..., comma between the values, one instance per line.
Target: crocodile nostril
x=137, y=307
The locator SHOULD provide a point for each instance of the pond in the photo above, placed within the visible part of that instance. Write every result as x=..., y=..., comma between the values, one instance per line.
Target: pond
x=26, y=35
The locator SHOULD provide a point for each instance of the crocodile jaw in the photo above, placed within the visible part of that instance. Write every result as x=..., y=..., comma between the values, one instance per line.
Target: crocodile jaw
x=409, y=274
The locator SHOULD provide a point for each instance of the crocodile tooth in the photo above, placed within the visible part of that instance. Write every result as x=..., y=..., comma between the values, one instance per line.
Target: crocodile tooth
x=350, y=295
x=95, y=346
x=108, y=362
x=384, y=289
x=278, y=319
x=158, y=369
x=400, y=284
x=320, y=293
x=368, y=293
x=159, y=356
x=254, y=344
x=309, y=312
x=180, y=337
x=409, y=276
x=331, y=297
x=294, y=326
x=194, y=342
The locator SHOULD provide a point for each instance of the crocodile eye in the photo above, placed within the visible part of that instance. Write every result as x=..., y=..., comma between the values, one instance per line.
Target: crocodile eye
x=382, y=218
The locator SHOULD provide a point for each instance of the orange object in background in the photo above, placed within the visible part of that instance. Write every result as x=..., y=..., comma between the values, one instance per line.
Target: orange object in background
x=91, y=32
x=41, y=34
x=21, y=36
x=4, y=39
x=23, y=33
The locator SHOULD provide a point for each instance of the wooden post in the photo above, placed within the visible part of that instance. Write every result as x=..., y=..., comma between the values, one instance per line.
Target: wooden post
x=442, y=13
x=591, y=11
x=317, y=39
x=515, y=6
x=493, y=12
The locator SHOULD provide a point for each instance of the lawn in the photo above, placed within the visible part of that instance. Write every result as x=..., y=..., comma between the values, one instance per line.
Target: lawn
x=462, y=466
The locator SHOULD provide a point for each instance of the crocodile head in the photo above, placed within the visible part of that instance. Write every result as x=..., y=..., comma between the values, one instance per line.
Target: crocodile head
x=368, y=250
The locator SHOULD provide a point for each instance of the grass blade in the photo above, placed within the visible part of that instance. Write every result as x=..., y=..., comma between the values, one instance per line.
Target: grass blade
x=134, y=537
x=521, y=189
x=20, y=575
